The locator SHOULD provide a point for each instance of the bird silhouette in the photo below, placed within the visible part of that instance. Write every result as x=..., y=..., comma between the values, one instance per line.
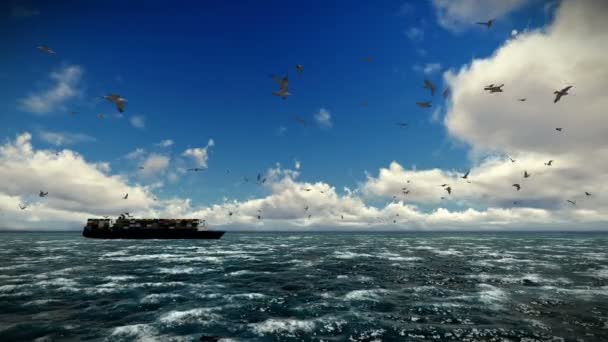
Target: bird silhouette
x=560, y=93
x=517, y=186
x=402, y=124
x=197, y=169
x=466, y=175
x=46, y=49
x=449, y=190
x=283, y=87
x=587, y=193
x=22, y=206
x=526, y=174
x=118, y=100
x=429, y=85
x=487, y=24
x=426, y=104
x=571, y=202
x=446, y=93
x=299, y=69
x=512, y=160
x=126, y=196
x=522, y=99
x=494, y=89
x=559, y=129
x=549, y=163
x=43, y=194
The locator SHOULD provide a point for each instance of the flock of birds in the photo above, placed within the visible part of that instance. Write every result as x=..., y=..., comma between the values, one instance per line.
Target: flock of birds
x=283, y=93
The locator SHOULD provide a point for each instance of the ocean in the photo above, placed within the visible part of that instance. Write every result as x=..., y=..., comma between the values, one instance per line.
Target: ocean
x=306, y=287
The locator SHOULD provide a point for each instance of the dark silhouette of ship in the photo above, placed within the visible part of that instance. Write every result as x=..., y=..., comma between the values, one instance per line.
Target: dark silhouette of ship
x=130, y=228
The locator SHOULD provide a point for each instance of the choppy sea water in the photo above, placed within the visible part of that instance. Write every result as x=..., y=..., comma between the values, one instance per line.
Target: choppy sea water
x=306, y=287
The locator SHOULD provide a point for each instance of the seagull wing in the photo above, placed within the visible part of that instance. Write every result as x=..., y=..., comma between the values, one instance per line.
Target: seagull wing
x=566, y=89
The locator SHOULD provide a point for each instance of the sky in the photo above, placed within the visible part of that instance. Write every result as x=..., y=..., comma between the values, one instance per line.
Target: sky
x=197, y=77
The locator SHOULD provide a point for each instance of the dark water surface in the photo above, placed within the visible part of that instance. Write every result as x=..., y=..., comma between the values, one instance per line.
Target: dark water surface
x=306, y=287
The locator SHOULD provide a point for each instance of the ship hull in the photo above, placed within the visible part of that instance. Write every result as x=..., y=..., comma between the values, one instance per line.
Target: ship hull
x=153, y=234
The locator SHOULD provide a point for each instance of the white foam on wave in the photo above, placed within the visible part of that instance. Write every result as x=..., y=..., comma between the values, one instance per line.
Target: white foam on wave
x=491, y=294
x=136, y=332
x=284, y=327
x=370, y=295
x=533, y=277
x=253, y=295
x=195, y=316
x=10, y=288
x=63, y=282
x=156, y=298
x=39, y=302
x=13, y=267
x=351, y=255
x=113, y=254
x=177, y=270
x=119, y=278
x=601, y=273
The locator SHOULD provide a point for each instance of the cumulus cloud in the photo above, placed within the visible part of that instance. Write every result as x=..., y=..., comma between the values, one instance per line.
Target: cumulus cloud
x=200, y=155
x=428, y=68
x=323, y=118
x=458, y=15
x=166, y=143
x=154, y=164
x=136, y=153
x=77, y=188
x=67, y=85
x=64, y=138
x=138, y=121
x=525, y=131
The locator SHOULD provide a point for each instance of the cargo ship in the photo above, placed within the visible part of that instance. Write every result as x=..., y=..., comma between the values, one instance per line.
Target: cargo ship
x=130, y=228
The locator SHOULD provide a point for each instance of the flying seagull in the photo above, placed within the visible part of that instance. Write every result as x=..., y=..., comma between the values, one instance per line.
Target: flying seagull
x=526, y=174
x=46, y=49
x=517, y=186
x=587, y=193
x=402, y=124
x=523, y=99
x=446, y=93
x=43, y=194
x=466, y=175
x=560, y=93
x=299, y=69
x=426, y=104
x=444, y=185
x=559, y=129
x=118, y=100
x=126, y=196
x=306, y=208
x=494, y=89
x=449, y=190
x=549, y=163
x=512, y=160
x=571, y=202
x=196, y=169
x=429, y=85
x=487, y=24
x=283, y=87
x=300, y=120
x=22, y=206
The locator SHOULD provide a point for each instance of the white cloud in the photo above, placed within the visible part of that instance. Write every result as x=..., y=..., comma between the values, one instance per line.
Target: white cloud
x=77, y=188
x=64, y=138
x=66, y=86
x=138, y=121
x=166, y=143
x=297, y=164
x=136, y=154
x=414, y=33
x=428, y=68
x=458, y=15
x=154, y=164
x=323, y=118
x=200, y=155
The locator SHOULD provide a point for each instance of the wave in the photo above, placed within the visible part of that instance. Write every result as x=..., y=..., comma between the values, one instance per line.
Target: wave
x=136, y=332
x=195, y=316
x=285, y=327
x=157, y=298
x=370, y=295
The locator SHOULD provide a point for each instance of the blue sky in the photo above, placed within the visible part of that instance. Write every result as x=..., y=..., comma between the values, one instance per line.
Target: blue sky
x=201, y=71
x=197, y=71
